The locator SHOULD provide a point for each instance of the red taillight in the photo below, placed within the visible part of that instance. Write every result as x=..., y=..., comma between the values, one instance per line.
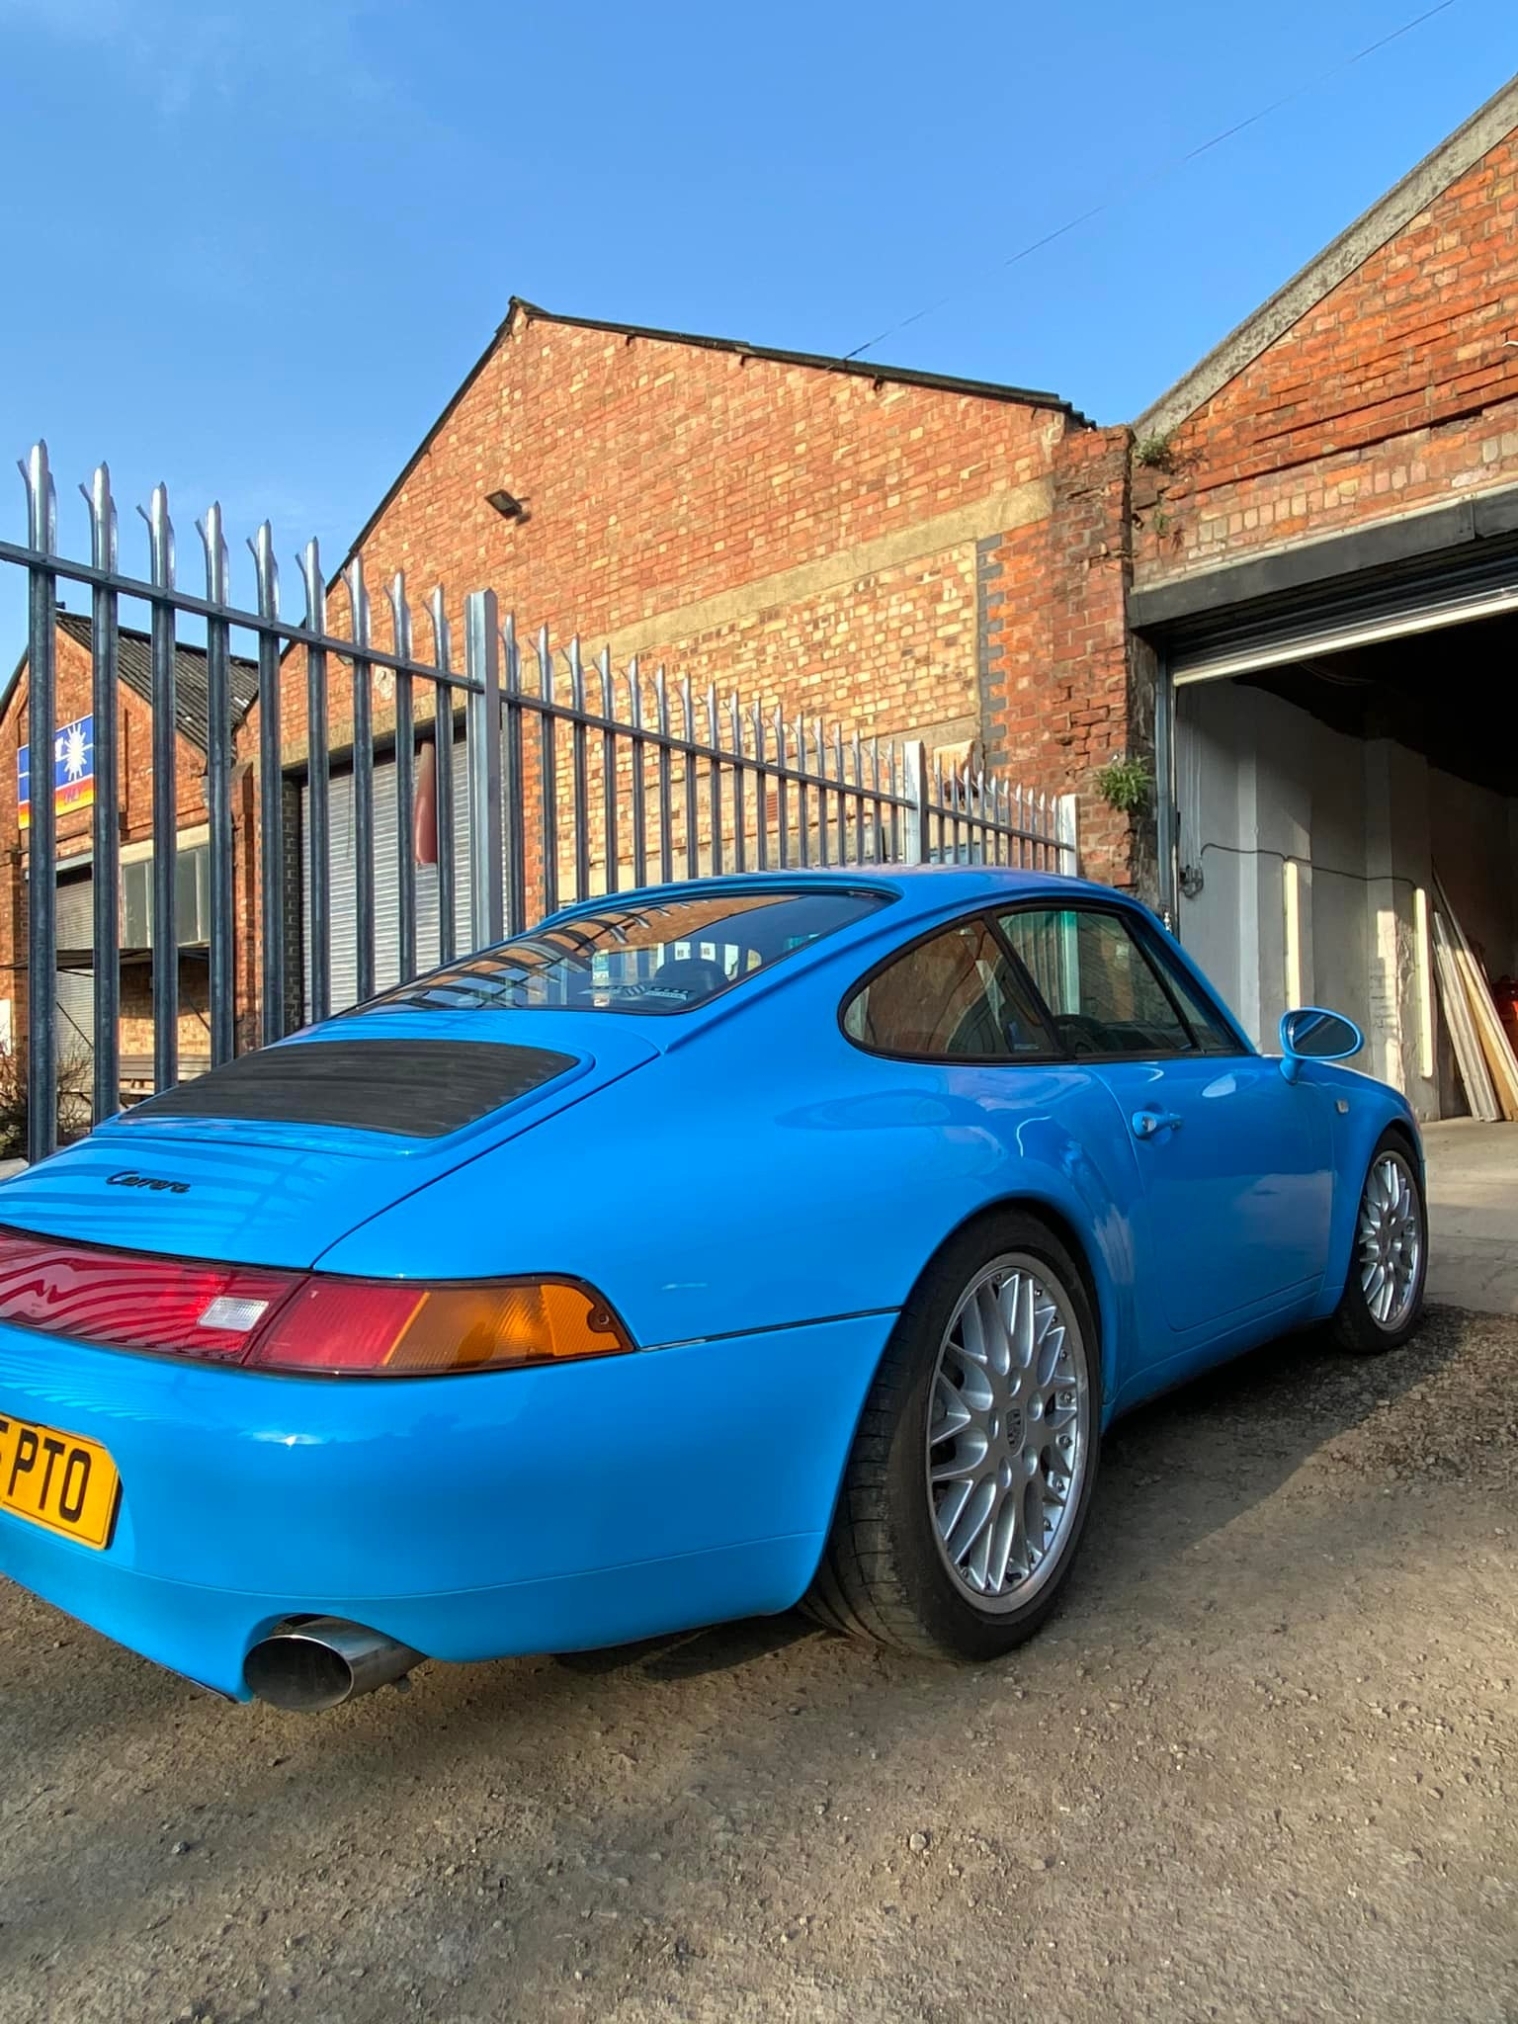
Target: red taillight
x=298, y=1321
x=127, y=1301
x=412, y=1331
x=337, y=1325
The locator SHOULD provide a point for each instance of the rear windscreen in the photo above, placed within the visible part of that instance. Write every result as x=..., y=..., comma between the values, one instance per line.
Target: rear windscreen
x=657, y=955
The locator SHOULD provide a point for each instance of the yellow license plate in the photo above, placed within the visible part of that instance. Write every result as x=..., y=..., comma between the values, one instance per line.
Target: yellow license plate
x=58, y=1480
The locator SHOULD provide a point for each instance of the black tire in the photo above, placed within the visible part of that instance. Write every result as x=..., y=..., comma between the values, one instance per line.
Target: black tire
x=884, y=1574
x=1355, y=1327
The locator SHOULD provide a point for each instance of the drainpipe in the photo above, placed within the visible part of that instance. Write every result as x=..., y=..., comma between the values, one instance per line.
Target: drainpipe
x=1164, y=792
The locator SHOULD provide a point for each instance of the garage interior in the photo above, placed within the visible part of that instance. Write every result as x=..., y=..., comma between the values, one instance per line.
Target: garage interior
x=1330, y=768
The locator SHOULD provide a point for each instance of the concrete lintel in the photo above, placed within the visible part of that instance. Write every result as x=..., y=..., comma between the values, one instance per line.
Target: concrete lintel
x=1427, y=530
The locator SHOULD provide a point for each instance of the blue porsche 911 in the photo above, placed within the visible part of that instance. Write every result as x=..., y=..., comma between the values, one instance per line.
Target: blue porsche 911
x=711, y=1249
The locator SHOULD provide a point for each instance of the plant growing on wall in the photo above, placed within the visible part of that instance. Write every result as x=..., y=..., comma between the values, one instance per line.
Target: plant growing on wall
x=1124, y=783
x=1155, y=453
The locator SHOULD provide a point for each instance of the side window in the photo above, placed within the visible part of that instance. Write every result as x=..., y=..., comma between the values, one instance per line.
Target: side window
x=953, y=996
x=1211, y=1035
x=1105, y=996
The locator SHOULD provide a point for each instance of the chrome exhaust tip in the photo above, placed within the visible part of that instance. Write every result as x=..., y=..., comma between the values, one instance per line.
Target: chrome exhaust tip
x=317, y=1662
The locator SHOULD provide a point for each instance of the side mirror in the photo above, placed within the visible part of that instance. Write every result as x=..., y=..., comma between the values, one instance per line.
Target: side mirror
x=1311, y=1034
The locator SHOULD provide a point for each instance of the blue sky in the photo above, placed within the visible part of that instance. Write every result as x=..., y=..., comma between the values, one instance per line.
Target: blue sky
x=251, y=251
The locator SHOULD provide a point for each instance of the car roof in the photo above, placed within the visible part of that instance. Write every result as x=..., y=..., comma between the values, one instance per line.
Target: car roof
x=920, y=896
x=925, y=889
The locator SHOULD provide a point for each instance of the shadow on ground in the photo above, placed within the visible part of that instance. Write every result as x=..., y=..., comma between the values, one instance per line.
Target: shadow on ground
x=625, y=1800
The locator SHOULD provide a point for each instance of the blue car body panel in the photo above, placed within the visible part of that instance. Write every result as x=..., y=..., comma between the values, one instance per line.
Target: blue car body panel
x=754, y=1194
x=513, y=1512
x=272, y=1194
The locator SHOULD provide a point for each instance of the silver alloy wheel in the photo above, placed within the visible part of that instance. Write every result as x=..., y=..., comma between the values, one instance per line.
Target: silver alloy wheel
x=1008, y=1432
x=1389, y=1240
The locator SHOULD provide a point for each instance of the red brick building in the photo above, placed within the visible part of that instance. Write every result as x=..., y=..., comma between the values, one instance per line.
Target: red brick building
x=804, y=530
x=1288, y=589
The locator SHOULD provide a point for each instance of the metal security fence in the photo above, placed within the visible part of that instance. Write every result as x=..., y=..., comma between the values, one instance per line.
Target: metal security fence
x=405, y=809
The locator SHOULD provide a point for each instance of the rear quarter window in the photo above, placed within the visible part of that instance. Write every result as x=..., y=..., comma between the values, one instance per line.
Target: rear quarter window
x=954, y=996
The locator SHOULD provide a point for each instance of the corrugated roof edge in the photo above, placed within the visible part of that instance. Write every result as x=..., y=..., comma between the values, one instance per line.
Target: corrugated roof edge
x=856, y=368
x=78, y=625
x=191, y=712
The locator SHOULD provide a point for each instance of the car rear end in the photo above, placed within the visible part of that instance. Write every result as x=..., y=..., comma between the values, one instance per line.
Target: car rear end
x=202, y=1434
x=189, y=1508
x=211, y=1437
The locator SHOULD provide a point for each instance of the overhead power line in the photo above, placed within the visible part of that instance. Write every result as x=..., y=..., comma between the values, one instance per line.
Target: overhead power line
x=1170, y=168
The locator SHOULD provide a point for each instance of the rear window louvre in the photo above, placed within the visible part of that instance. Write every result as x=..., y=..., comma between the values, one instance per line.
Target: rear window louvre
x=406, y=1088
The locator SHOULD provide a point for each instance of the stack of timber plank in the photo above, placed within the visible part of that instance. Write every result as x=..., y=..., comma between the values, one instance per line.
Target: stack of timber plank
x=1483, y=1053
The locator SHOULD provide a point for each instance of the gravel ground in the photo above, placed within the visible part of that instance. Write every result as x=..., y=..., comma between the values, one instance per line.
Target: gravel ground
x=1257, y=1767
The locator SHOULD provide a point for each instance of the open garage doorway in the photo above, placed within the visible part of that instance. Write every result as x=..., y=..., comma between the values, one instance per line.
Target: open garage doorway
x=1316, y=797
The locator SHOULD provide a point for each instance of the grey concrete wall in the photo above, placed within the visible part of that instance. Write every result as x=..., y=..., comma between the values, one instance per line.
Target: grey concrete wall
x=1261, y=784
x=1474, y=838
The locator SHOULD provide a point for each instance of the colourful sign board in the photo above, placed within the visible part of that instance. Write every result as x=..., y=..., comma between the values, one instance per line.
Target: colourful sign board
x=73, y=771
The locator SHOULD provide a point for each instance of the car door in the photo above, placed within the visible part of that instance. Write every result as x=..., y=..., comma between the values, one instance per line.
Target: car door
x=1013, y=1115
x=1234, y=1160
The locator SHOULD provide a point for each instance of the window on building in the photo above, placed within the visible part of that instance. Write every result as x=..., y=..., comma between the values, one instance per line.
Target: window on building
x=192, y=898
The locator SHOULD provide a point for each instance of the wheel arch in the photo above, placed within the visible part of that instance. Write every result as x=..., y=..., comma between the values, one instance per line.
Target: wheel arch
x=843, y=1593
x=1353, y=1155
x=1094, y=1281
x=1111, y=1307
x=1399, y=1128
x=1355, y=1325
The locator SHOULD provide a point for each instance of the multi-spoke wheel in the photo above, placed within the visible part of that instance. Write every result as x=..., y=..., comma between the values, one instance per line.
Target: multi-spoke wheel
x=1007, y=1433
x=1383, y=1296
x=973, y=1466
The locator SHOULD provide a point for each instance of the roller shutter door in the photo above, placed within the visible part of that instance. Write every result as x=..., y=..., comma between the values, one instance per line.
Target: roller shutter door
x=387, y=914
x=1357, y=611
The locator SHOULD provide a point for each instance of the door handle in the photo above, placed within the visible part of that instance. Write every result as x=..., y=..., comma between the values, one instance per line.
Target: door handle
x=1146, y=1123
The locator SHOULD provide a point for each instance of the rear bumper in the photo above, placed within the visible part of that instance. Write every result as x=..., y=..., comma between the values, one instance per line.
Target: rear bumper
x=470, y=1517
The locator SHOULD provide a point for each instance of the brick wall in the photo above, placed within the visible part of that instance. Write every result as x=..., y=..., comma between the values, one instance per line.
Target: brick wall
x=659, y=474
x=1063, y=693
x=1397, y=390
x=807, y=537
x=135, y=763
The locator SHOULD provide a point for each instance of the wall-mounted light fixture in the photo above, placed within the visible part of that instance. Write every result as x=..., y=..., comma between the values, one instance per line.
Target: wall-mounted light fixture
x=507, y=505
